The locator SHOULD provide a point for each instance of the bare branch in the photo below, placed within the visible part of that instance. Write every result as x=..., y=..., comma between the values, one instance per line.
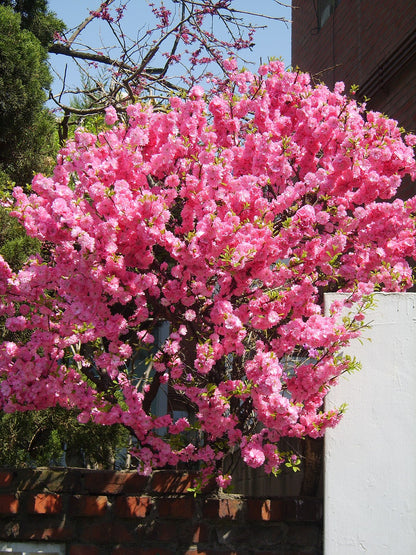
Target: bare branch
x=256, y=14
x=176, y=43
x=87, y=20
x=59, y=48
x=184, y=35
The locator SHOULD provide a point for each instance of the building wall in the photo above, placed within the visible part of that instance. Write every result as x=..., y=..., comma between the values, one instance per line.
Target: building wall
x=93, y=512
x=370, y=470
x=366, y=43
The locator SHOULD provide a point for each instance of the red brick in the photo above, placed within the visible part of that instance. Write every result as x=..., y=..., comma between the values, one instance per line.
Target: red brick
x=163, y=531
x=6, y=478
x=195, y=551
x=8, y=504
x=132, y=507
x=287, y=552
x=38, y=531
x=88, y=505
x=84, y=550
x=171, y=482
x=121, y=550
x=108, y=532
x=172, y=531
x=168, y=481
x=200, y=534
x=176, y=508
x=211, y=508
x=361, y=46
x=109, y=482
x=45, y=503
x=265, y=509
x=223, y=508
x=9, y=529
x=303, y=509
x=291, y=509
x=230, y=508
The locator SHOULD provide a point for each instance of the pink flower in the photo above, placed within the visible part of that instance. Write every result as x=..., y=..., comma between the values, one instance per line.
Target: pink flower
x=145, y=336
x=253, y=455
x=17, y=323
x=110, y=115
x=196, y=92
x=190, y=315
x=223, y=481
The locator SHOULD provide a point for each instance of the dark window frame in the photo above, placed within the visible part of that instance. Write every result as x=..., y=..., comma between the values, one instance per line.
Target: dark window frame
x=324, y=10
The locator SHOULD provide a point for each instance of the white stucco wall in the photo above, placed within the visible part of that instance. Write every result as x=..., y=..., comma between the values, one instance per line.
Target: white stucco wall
x=31, y=548
x=370, y=458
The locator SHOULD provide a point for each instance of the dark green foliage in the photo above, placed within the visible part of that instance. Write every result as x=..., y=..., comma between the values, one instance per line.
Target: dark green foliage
x=27, y=130
x=54, y=437
x=36, y=18
x=15, y=245
x=28, y=144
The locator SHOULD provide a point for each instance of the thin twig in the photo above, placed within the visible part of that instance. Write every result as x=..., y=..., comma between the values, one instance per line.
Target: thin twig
x=87, y=20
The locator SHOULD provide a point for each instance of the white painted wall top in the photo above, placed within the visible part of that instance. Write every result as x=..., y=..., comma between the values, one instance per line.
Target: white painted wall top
x=370, y=457
x=31, y=548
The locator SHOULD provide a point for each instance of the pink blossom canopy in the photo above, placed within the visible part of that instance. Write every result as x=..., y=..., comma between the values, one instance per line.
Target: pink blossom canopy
x=223, y=222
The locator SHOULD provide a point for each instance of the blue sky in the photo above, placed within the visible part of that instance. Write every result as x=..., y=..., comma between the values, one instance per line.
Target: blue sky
x=274, y=40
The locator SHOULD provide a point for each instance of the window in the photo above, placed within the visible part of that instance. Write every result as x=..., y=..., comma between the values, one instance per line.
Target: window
x=324, y=10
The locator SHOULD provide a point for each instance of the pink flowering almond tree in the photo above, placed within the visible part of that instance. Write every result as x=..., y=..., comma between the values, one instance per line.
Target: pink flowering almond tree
x=223, y=221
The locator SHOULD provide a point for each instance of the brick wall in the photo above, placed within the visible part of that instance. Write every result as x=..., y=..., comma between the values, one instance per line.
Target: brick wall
x=367, y=43
x=122, y=513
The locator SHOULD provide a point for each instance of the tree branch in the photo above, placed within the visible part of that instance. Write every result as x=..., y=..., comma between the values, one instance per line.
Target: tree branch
x=65, y=50
x=87, y=20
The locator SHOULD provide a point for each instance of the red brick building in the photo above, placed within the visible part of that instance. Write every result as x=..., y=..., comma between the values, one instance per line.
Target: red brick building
x=363, y=42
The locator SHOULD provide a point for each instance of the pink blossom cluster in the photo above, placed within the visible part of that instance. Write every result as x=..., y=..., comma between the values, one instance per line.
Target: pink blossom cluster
x=227, y=218
x=103, y=12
